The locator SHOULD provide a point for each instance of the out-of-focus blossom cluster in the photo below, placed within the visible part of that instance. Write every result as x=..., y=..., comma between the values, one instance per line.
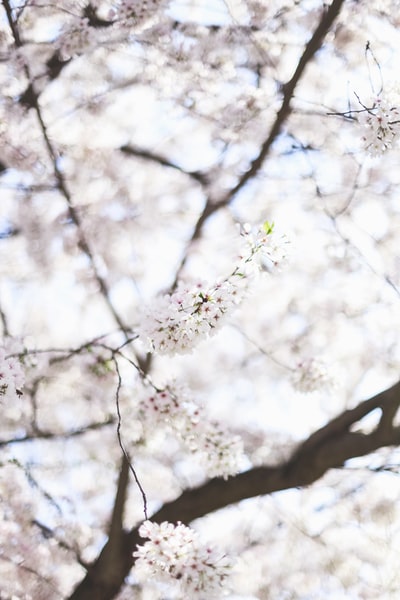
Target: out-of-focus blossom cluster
x=313, y=375
x=12, y=377
x=80, y=34
x=136, y=10
x=77, y=37
x=175, y=556
x=220, y=452
x=27, y=555
x=177, y=322
x=381, y=126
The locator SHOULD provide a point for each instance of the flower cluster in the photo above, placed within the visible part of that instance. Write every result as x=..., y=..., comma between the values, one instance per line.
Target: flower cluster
x=381, y=125
x=136, y=10
x=76, y=38
x=220, y=452
x=175, y=323
x=268, y=249
x=174, y=555
x=12, y=377
x=312, y=375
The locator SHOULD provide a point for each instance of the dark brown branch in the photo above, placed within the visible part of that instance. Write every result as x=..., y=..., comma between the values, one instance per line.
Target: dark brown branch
x=4, y=321
x=116, y=524
x=45, y=582
x=115, y=561
x=95, y=21
x=122, y=445
x=328, y=448
x=386, y=401
x=160, y=160
x=107, y=574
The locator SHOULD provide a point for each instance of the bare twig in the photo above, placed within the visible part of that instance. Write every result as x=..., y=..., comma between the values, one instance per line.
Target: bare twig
x=121, y=444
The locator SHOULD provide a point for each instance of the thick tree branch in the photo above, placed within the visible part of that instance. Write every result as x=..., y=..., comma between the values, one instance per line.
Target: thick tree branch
x=115, y=561
x=106, y=576
x=329, y=447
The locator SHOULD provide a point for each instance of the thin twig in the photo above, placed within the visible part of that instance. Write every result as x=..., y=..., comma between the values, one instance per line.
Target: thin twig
x=121, y=444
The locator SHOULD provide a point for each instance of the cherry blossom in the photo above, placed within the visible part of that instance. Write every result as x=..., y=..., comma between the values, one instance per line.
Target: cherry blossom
x=269, y=249
x=76, y=38
x=312, y=375
x=135, y=136
x=137, y=10
x=215, y=448
x=177, y=322
x=175, y=555
x=12, y=377
x=381, y=126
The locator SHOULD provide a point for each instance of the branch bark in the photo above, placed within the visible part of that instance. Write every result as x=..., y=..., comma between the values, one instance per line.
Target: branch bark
x=105, y=578
x=154, y=157
x=327, y=448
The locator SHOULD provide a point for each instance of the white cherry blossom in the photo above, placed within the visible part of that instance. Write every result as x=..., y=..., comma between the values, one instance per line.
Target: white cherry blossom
x=218, y=450
x=175, y=555
x=381, y=126
x=312, y=375
x=12, y=377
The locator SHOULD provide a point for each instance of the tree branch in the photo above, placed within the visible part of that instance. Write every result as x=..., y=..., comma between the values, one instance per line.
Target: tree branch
x=328, y=448
x=160, y=160
x=211, y=206
x=50, y=435
x=106, y=576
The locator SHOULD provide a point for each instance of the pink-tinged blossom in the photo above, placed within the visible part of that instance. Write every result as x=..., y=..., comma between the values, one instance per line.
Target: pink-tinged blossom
x=175, y=556
x=219, y=451
x=76, y=38
x=177, y=322
x=313, y=375
x=265, y=250
x=381, y=126
x=12, y=377
x=138, y=10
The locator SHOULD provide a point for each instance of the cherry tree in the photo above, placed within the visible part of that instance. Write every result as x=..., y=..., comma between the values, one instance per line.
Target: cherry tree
x=199, y=299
